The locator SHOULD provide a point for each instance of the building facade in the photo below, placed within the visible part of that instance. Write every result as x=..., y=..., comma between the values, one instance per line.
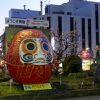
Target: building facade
x=80, y=15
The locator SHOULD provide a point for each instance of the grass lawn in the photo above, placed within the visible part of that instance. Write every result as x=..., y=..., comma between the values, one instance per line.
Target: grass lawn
x=6, y=89
x=74, y=81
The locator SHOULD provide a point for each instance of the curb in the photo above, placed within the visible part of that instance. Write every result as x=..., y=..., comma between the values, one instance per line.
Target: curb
x=53, y=94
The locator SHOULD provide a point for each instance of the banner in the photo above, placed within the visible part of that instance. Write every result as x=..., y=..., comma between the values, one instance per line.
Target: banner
x=38, y=23
x=16, y=21
x=26, y=22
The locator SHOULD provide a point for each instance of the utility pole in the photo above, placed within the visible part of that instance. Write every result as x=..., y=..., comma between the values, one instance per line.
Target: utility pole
x=41, y=5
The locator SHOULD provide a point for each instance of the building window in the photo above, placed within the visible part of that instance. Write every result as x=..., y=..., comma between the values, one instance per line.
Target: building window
x=59, y=25
x=83, y=33
x=49, y=19
x=42, y=18
x=89, y=33
x=47, y=9
x=71, y=23
x=58, y=12
x=17, y=12
x=73, y=37
x=69, y=13
x=34, y=18
x=97, y=24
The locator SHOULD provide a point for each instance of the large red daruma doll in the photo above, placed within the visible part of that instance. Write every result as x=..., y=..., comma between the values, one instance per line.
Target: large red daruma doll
x=29, y=57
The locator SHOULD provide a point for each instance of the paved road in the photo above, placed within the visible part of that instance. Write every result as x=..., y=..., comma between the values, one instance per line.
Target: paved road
x=83, y=98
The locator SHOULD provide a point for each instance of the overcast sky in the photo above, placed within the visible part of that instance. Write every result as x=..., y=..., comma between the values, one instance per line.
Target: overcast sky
x=6, y=5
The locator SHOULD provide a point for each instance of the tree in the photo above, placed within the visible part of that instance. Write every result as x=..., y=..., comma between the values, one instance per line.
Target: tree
x=66, y=44
x=72, y=64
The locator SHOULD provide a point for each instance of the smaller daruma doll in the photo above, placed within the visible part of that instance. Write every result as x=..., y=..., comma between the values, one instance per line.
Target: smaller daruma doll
x=30, y=57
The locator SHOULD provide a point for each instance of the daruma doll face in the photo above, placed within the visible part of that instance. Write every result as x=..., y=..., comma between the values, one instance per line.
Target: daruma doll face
x=35, y=51
x=30, y=57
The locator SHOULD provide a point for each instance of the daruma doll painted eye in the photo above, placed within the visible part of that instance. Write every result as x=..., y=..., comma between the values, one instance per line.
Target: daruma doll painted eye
x=30, y=57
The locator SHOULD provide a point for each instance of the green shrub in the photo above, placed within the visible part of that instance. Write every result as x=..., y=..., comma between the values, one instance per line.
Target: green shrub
x=60, y=86
x=81, y=75
x=77, y=75
x=72, y=64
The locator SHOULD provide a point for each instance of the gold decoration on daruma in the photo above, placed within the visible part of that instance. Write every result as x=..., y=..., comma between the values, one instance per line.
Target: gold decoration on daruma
x=30, y=57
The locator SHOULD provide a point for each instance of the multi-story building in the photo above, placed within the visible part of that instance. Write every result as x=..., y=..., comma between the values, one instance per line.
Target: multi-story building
x=23, y=13
x=80, y=15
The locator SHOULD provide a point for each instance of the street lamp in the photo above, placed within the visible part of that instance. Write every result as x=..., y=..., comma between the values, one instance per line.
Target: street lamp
x=60, y=72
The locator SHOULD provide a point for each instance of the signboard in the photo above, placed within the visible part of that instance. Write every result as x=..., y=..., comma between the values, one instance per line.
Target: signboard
x=40, y=23
x=29, y=87
x=86, y=64
x=27, y=22
x=16, y=21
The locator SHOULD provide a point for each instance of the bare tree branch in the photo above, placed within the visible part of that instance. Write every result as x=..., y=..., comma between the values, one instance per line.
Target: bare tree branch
x=66, y=44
